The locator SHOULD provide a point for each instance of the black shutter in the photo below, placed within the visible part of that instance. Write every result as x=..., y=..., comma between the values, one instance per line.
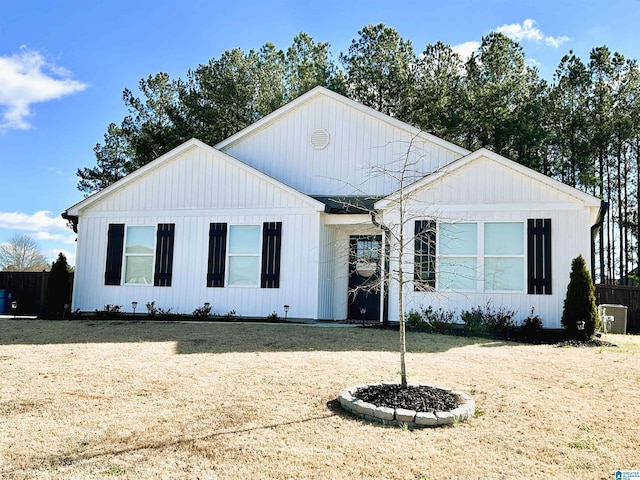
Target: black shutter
x=164, y=255
x=271, y=244
x=115, y=244
x=424, y=269
x=539, y=256
x=217, y=254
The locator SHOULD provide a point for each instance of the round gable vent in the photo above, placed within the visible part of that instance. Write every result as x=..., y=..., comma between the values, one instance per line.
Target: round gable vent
x=319, y=139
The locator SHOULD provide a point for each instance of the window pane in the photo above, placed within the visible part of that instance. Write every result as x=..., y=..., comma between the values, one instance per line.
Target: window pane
x=244, y=239
x=458, y=238
x=140, y=239
x=504, y=274
x=367, y=249
x=504, y=238
x=243, y=271
x=138, y=269
x=458, y=274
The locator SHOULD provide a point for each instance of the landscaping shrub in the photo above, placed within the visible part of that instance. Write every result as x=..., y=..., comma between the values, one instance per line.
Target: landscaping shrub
x=580, y=302
x=58, y=294
x=432, y=321
x=202, y=312
x=488, y=322
x=530, y=328
x=109, y=311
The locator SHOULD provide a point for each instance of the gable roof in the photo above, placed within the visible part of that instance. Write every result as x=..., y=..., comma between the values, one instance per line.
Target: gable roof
x=75, y=210
x=322, y=91
x=585, y=198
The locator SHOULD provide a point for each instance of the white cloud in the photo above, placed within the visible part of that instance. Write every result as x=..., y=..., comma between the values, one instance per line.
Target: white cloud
x=527, y=31
x=464, y=50
x=52, y=254
x=27, y=78
x=68, y=239
x=37, y=222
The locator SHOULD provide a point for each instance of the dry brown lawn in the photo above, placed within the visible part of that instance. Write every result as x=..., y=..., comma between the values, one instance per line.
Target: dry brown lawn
x=102, y=399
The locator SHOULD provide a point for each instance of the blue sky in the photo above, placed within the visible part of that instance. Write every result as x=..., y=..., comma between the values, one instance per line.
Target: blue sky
x=64, y=64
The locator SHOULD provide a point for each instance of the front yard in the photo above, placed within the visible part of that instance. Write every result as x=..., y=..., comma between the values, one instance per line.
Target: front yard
x=103, y=399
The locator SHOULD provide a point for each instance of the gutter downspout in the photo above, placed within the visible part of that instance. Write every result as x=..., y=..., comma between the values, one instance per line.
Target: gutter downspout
x=595, y=228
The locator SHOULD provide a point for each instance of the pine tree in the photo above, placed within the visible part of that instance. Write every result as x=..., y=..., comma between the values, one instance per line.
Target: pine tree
x=58, y=297
x=580, y=303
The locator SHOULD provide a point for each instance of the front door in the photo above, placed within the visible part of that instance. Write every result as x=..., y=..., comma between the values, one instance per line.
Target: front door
x=364, y=277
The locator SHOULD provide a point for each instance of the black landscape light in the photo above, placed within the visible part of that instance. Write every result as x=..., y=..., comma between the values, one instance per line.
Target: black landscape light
x=286, y=311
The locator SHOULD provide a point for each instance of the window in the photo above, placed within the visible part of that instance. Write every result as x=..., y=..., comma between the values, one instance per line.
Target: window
x=139, y=248
x=138, y=255
x=244, y=255
x=472, y=257
x=458, y=256
x=504, y=257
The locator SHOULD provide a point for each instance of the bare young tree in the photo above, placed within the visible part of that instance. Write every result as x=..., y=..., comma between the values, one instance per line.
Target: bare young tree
x=21, y=253
x=402, y=211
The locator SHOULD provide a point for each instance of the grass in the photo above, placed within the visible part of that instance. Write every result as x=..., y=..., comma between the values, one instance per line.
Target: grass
x=106, y=399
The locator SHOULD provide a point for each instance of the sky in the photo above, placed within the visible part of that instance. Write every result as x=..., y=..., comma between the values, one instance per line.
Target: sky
x=64, y=65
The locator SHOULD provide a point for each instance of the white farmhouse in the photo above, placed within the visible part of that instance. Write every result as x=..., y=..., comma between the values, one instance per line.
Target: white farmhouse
x=305, y=206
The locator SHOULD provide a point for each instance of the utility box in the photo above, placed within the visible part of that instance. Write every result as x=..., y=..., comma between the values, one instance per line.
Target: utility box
x=619, y=314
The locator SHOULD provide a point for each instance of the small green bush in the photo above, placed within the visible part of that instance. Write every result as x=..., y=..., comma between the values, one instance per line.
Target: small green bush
x=530, y=328
x=488, y=322
x=152, y=311
x=580, y=302
x=202, y=312
x=431, y=321
x=109, y=311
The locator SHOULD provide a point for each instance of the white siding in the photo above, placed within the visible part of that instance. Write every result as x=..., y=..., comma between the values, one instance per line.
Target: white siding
x=298, y=275
x=359, y=146
x=486, y=192
x=192, y=190
x=196, y=179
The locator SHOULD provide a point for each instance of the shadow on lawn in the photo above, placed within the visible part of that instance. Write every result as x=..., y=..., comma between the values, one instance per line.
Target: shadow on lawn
x=204, y=337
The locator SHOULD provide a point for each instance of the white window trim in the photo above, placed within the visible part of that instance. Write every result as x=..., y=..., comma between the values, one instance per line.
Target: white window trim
x=229, y=254
x=125, y=255
x=480, y=257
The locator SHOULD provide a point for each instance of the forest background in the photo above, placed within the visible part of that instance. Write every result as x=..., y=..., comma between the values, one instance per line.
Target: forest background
x=582, y=127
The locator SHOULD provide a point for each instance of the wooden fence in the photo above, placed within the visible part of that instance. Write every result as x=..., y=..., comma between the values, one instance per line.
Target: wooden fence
x=622, y=295
x=28, y=289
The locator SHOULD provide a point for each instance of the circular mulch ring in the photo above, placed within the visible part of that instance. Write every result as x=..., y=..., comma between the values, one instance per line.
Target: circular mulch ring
x=414, y=406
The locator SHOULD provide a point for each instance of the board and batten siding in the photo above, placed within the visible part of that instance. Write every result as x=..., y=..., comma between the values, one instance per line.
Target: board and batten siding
x=486, y=192
x=299, y=269
x=192, y=189
x=359, y=145
x=569, y=239
x=196, y=179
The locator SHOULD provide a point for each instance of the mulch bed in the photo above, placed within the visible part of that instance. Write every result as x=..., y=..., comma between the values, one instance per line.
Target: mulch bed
x=592, y=342
x=420, y=398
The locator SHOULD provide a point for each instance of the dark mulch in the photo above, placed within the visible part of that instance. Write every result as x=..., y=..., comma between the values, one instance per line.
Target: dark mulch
x=418, y=398
x=592, y=342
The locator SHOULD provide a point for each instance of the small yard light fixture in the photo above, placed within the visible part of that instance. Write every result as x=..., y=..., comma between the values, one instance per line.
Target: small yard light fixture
x=363, y=310
x=580, y=324
x=14, y=307
x=134, y=305
x=286, y=311
x=207, y=305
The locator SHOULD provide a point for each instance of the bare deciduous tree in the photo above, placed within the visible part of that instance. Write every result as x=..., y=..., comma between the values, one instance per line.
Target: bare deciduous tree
x=22, y=254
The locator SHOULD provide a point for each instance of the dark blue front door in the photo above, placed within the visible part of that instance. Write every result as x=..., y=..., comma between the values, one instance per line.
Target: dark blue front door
x=364, y=277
